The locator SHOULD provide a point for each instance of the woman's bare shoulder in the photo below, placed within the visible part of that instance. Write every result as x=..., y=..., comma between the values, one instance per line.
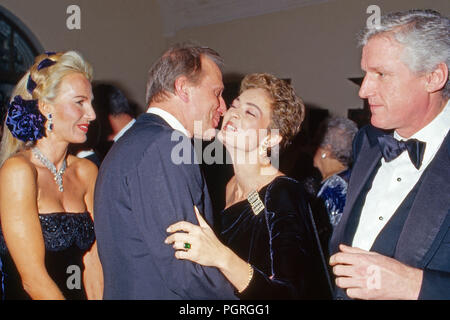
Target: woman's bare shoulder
x=84, y=168
x=19, y=166
x=18, y=180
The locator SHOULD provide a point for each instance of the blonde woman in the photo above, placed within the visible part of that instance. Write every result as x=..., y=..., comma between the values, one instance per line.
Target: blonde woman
x=47, y=241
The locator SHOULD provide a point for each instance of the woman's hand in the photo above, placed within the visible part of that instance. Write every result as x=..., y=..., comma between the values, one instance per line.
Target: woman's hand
x=205, y=248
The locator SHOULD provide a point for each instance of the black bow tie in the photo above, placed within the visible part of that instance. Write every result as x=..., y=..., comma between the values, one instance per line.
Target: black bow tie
x=392, y=148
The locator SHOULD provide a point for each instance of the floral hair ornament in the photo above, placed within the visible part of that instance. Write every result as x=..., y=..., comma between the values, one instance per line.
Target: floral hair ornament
x=24, y=120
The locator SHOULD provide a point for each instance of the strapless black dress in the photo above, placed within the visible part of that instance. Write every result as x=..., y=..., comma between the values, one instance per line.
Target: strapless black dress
x=67, y=237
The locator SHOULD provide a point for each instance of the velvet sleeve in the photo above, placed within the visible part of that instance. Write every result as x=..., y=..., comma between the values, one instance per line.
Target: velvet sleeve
x=296, y=272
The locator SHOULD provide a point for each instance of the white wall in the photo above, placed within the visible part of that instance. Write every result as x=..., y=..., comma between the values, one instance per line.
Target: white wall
x=121, y=39
x=315, y=46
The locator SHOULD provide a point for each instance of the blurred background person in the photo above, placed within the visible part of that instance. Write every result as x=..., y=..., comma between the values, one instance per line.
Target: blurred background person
x=115, y=115
x=333, y=158
x=111, y=101
x=46, y=196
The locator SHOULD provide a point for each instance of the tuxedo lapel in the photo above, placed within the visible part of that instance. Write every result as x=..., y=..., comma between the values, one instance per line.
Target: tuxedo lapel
x=429, y=210
x=369, y=155
x=361, y=172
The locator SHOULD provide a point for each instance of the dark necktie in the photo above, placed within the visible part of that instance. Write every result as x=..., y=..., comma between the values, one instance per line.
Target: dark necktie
x=391, y=148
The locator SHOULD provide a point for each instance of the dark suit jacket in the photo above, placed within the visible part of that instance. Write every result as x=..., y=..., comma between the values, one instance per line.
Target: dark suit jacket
x=140, y=191
x=424, y=236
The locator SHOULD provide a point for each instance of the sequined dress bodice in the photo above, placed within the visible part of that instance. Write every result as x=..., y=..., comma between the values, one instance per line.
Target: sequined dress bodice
x=67, y=237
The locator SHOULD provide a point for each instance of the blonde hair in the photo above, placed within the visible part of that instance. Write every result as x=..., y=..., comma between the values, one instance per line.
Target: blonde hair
x=48, y=80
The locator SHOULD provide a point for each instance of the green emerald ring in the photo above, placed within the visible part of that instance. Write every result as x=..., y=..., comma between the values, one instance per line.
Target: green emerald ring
x=187, y=245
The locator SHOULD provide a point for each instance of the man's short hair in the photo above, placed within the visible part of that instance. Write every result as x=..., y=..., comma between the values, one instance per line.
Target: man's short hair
x=423, y=33
x=109, y=100
x=181, y=59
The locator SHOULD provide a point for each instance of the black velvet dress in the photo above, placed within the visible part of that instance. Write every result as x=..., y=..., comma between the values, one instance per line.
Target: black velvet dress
x=67, y=237
x=281, y=244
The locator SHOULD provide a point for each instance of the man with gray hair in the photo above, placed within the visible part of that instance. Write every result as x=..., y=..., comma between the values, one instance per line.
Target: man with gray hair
x=392, y=241
x=141, y=190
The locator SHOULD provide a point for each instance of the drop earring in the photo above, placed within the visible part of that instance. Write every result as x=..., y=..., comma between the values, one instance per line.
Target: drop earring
x=323, y=155
x=49, y=122
x=264, y=153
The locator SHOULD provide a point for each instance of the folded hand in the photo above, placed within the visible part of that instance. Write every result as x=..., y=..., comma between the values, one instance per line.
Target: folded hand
x=369, y=275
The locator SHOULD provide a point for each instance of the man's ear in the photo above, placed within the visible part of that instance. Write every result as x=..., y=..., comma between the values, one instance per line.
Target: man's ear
x=437, y=79
x=182, y=88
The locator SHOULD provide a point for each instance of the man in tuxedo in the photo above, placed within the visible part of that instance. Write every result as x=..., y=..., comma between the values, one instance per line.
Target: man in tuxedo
x=148, y=182
x=393, y=239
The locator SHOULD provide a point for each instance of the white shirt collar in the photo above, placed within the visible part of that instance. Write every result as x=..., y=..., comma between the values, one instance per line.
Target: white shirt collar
x=85, y=153
x=433, y=134
x=123, y=130
x=170, y=119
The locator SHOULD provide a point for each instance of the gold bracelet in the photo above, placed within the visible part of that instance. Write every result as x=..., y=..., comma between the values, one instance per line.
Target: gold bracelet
x=250, y=276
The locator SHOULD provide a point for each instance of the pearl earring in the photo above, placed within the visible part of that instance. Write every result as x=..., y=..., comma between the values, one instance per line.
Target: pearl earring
x=323, y=156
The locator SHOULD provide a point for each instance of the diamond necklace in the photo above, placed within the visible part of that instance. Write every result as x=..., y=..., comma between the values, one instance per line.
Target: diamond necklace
x=50, y=166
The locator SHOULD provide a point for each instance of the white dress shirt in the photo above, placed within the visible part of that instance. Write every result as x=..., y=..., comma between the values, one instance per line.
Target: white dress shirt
x=170, y=119
x=395, y=179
